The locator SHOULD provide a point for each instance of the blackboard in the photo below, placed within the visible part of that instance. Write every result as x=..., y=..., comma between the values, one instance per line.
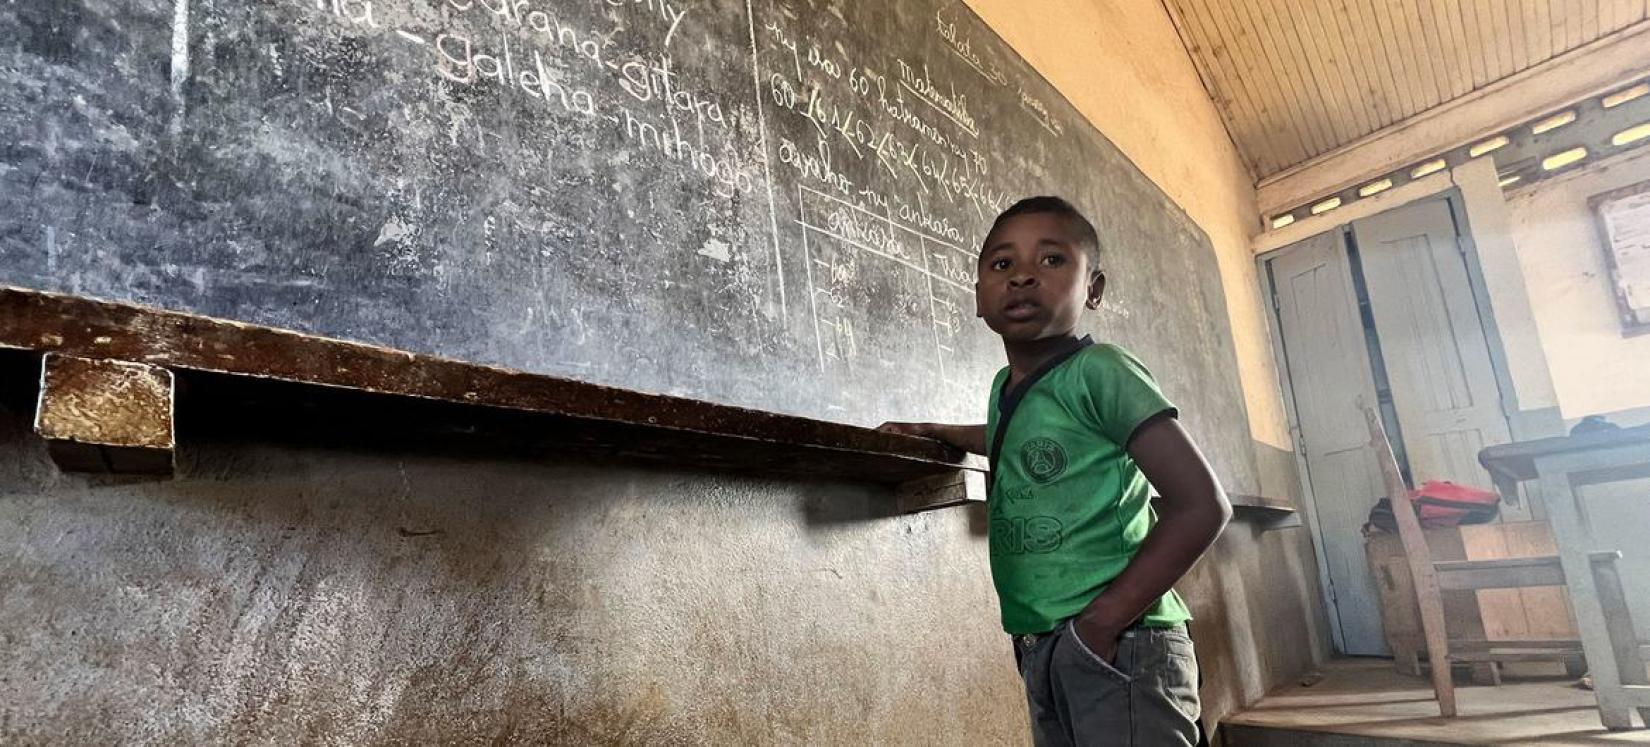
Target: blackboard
x=766, y=204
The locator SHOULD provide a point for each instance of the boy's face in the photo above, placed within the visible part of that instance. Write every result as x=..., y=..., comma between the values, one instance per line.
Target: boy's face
x=1034, y=279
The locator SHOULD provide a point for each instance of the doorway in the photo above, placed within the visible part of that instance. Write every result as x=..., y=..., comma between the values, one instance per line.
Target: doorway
x=1386, y=311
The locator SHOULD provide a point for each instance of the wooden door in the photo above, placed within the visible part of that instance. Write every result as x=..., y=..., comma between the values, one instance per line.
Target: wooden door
x=1432, y=339
x=1329, y=373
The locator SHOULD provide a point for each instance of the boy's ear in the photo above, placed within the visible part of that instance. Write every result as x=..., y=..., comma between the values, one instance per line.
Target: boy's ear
x=1097, y=289
x=979, y=313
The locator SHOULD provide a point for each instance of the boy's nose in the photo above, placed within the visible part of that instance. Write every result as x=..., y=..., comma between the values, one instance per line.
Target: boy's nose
x=1022, y=280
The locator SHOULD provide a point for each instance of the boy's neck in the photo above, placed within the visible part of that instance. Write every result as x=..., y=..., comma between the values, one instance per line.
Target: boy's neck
x=1026, y=357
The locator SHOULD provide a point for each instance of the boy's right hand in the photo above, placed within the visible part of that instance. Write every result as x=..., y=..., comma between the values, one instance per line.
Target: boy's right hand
x=921, y=430
x=970, y=438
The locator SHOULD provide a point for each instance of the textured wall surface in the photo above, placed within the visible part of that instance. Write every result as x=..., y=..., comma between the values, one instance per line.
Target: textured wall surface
x=271, y=595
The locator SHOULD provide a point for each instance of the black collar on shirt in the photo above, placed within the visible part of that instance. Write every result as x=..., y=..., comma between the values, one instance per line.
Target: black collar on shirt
x=1009, y=399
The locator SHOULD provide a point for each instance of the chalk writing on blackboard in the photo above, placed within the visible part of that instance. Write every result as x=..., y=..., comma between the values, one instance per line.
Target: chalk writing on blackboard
x=767, y=203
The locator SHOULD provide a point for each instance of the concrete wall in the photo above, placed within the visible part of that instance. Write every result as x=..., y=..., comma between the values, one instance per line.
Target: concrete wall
x=275, y=594
x=272, y=594
x=1595, y=370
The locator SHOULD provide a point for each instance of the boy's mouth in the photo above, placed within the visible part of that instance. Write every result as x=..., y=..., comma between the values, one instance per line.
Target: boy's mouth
x=1021, y=310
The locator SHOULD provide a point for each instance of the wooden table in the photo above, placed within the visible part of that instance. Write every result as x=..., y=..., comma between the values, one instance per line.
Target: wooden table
x=1562, y=467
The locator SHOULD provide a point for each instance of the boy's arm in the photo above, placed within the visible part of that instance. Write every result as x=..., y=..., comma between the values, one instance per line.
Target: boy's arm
x=1191, y=514
x=969, y=438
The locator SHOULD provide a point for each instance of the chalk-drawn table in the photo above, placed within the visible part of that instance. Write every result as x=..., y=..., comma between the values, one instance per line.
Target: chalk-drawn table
x=1563, y=467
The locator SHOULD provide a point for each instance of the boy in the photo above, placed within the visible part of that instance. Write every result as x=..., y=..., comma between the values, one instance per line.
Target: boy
x=1083, y=573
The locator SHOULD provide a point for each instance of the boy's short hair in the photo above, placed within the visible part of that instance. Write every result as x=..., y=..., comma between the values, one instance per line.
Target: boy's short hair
x=1082, y=230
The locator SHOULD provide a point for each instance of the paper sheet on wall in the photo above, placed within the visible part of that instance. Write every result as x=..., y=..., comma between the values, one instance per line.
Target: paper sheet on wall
x=1627, y=224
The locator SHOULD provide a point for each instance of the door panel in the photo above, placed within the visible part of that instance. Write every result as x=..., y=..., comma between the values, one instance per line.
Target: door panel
x=1328, y=364
x=1437, y=358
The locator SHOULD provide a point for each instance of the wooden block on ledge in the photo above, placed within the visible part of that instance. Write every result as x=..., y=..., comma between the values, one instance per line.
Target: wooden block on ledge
x=956, y=488
x=106, y=416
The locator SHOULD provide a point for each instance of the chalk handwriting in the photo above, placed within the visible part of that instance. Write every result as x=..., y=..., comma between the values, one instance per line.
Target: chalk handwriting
x=893, y=170
x=1039, y=112
x=962, y=46
x=880, y=236
x=537, y=71
x=521, y=13
x=356, y=11
x=815, y=165
x=726, y=169
x=459, y=62
x=949, y=102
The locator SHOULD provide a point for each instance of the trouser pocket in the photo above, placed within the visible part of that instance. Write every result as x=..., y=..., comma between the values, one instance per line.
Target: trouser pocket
x=1113, y=669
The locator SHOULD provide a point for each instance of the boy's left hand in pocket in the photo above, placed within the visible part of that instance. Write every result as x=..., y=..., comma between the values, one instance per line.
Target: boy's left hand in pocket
x=1100, y=640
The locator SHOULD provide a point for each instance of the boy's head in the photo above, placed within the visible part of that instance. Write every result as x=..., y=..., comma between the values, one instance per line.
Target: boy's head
x=1039, y=268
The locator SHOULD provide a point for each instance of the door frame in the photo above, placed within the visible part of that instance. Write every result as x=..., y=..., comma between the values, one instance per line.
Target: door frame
x=1499, y=364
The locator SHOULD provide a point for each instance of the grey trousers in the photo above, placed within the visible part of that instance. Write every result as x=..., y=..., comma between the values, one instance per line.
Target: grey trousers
x=1148, y=696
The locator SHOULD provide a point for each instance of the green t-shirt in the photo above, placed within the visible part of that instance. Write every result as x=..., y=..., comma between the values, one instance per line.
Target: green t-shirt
x=1069, y=507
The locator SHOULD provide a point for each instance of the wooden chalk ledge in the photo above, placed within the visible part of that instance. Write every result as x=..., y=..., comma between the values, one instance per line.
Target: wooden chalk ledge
x=118, y=382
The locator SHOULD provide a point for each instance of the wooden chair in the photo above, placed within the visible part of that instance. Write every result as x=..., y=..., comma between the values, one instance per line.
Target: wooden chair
x=1433, y=578
x=1539, y=622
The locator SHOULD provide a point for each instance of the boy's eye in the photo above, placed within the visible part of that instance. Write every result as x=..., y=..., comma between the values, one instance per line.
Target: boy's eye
x=1053, y=260
x=999, y=264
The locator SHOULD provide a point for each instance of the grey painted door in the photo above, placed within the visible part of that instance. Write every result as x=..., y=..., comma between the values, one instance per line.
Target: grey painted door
x=1432, y=339
x=1329, y=374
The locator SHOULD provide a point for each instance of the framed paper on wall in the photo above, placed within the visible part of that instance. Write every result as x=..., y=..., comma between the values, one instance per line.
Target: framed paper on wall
x=1624, y=226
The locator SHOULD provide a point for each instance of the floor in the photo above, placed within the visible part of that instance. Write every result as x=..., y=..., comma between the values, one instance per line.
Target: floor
x=1366, y=702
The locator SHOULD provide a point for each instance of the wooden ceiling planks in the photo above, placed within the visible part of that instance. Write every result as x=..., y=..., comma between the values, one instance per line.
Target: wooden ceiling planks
x=1296, y=79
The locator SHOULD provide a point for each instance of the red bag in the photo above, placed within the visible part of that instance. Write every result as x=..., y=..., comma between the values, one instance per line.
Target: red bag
x=1440, y=503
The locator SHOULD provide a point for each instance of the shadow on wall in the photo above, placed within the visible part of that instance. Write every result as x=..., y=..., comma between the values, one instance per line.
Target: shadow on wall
x=828, y=505
x=275, y=594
